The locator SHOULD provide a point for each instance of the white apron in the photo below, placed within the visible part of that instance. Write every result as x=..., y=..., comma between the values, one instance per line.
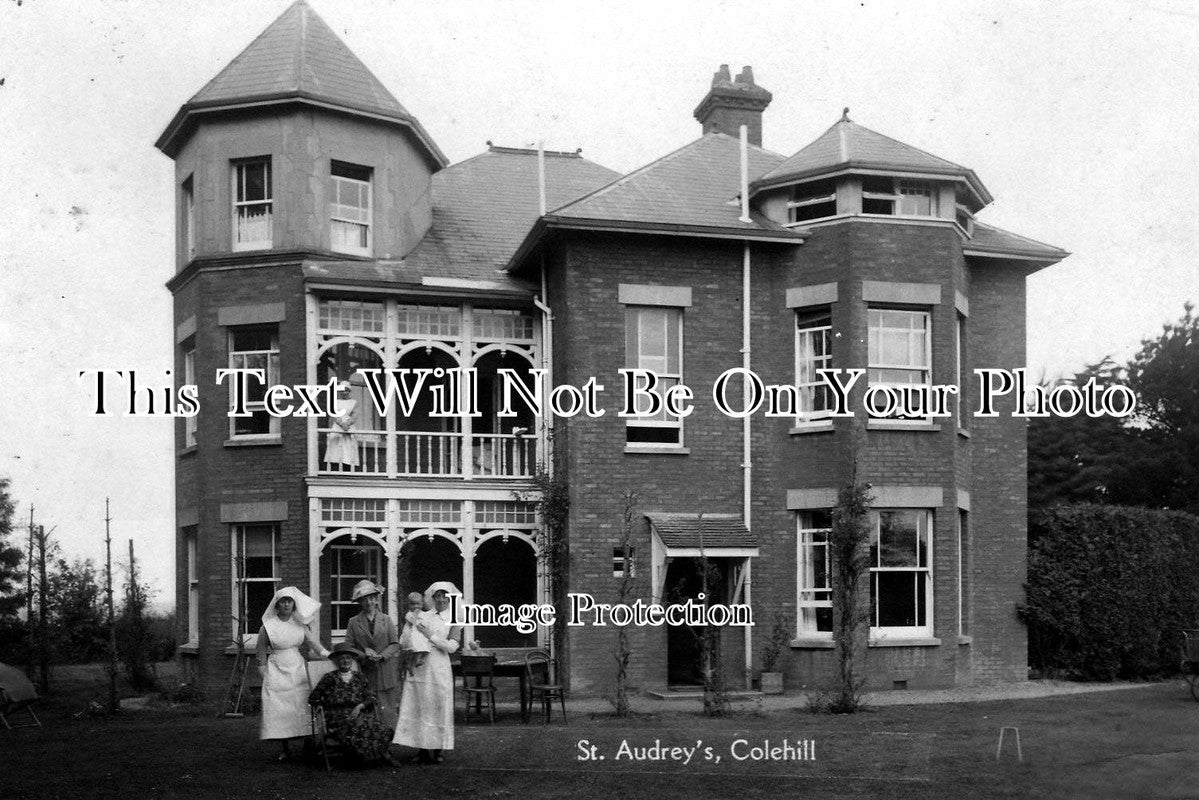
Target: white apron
x=427, y=703
x=285, y=687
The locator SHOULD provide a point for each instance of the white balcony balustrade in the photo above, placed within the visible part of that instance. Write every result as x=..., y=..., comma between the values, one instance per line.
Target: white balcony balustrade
x=427, y=454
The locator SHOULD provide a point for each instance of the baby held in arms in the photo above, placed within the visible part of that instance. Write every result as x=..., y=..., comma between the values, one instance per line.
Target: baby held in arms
x=411, y=639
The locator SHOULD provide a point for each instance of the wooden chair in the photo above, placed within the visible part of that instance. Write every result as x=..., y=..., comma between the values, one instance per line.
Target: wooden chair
x=479, y=668
x=540, y=675
x=9, y=707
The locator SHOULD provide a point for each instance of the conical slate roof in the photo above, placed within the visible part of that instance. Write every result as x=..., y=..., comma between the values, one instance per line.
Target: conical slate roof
x=298, y=58
x=848, y=145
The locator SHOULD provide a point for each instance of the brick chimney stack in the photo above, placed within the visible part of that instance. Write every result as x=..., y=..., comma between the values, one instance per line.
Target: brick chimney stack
x=731, y=103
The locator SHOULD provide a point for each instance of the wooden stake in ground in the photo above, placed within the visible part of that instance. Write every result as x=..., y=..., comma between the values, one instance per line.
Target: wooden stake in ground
x=43, y=642
x=29, y=597
x=113, y=704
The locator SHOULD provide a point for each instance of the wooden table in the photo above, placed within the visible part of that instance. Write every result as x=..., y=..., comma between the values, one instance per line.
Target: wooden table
x=512, y=668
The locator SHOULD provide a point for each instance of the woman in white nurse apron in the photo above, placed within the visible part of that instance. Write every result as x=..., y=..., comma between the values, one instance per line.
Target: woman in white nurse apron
x=285, y=685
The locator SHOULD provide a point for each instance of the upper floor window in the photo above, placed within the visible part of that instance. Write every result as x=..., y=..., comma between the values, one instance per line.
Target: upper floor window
x=813, y=351
x=189, y=218
x=350, y=209
x=254, y=348
x=813, y=201
x=189, y=379
x=654, y=342
x=897, y=197
x=900, y=347
x=253, y=204
x=901, y=587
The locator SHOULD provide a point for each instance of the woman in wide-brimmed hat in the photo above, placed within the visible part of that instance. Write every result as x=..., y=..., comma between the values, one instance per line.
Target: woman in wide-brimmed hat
x=347, y=701
x=427, y=704
x=374, y=633
x=285, y=683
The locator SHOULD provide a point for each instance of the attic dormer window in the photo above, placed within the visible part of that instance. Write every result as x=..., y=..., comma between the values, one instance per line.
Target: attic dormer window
x=350, y=209
x=253, y=202
x=812, y=201
x=895, y=197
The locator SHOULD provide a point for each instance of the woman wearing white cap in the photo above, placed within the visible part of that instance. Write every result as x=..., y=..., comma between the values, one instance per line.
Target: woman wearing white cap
x=427, y=704
x=285, y=685
x=374, y=633
x=341, y=443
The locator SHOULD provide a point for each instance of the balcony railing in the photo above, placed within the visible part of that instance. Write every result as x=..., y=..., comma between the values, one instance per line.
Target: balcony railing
x=426, y=454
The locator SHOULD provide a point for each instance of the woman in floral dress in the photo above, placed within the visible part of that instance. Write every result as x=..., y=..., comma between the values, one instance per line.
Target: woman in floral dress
x=347, y=700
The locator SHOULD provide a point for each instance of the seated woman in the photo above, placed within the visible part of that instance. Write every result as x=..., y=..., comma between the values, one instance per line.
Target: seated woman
x=345, y=697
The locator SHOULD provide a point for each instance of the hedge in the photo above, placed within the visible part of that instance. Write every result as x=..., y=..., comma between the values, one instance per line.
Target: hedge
x=1110, y=588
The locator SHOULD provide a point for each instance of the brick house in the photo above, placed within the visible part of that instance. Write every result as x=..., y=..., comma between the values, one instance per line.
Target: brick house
x=321, y=231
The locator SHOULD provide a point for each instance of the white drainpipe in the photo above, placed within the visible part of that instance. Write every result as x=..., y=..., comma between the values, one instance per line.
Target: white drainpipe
x=746, y=443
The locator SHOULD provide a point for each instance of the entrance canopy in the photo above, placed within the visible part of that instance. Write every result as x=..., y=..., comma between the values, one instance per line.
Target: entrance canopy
x=696, y=536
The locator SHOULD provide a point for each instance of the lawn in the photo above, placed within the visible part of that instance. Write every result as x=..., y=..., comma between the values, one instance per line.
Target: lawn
x=1138, y=743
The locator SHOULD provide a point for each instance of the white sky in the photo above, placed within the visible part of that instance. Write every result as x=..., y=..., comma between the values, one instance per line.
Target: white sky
x=1081, y=118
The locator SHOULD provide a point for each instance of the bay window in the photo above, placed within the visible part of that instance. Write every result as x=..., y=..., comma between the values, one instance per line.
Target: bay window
x=901, y=590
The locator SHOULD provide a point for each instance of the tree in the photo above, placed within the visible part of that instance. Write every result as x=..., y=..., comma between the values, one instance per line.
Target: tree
x=1077, y=459
x=1165, y=376
x=849, y=545
x=135, y=640
x=75, y=614
x=1151, y=460
x=11, y=556
x=12, y=598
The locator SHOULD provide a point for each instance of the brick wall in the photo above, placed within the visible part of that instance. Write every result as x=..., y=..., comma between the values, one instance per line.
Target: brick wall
x=589, y=340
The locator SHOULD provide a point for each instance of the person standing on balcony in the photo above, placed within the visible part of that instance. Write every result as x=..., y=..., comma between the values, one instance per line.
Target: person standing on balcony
x=427, y=704
x=341, y=443
x=374, y=633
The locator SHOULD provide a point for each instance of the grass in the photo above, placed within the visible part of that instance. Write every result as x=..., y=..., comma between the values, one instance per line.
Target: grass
x=1138, y=743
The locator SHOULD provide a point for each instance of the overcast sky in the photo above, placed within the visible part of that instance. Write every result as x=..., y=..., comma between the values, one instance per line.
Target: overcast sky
x=1081, y=118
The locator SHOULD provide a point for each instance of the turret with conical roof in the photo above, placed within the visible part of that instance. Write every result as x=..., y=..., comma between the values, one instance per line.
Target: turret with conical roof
x=296, y=145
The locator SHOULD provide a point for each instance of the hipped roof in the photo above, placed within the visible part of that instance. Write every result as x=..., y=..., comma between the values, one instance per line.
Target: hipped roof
x=848, y=145
x=298, y=58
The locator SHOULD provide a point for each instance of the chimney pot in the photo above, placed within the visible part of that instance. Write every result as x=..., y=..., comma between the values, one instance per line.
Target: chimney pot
x=730, y=104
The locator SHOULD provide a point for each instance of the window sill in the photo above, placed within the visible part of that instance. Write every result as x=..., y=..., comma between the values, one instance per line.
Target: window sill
x=915, y=641
x=189, y=649
x=811, y=643
x=901, y=425
x=965, y=640
x=965, y=434
x=641, y=449
x=823, y=426
x=255, y=441
x=187, y=451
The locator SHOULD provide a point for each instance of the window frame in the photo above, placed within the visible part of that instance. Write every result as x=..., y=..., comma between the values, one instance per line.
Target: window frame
x=240, y=204
x=189, y=218
x=873, y=334
x=193, y=586
x=808, y=391
x=272, y=378
x=800, y=199
x=238, y=533
x=634, y=360
x=375, y=553
x=623, y=561
x=960, y=341
x=901, y=188
x=190, y=424
x=807, y=600
x=366, y=225
x=925, y=521
x=963, y=531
